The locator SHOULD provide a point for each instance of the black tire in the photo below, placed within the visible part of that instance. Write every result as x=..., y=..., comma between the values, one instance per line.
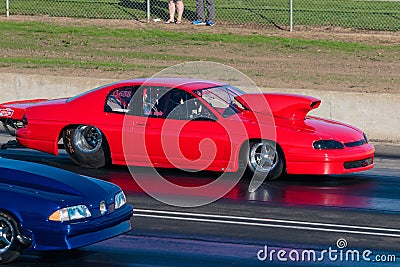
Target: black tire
x=274, y=165
x=86, y=146
x=10, y=248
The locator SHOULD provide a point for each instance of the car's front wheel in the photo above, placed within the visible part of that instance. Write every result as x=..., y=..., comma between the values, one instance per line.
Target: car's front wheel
x=264, y=159
x=86, y=146
x=10, y=248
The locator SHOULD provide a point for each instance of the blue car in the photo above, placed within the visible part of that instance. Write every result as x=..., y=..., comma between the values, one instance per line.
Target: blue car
x=45, y=208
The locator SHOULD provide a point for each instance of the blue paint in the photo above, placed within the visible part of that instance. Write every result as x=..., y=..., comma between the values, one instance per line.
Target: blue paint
x=32, y=192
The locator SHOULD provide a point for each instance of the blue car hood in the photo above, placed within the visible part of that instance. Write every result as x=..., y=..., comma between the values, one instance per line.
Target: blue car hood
x=58, y=183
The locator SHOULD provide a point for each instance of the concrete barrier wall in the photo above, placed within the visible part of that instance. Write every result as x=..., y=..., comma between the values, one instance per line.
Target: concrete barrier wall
x=377, y=114
x=15, y=86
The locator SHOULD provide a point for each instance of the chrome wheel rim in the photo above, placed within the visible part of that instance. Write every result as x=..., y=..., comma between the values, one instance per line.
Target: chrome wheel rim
x=263, y=157
x=88, y=139
x=6, y=235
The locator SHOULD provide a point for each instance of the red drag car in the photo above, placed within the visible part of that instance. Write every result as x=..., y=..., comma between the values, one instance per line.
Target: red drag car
x=191, y=124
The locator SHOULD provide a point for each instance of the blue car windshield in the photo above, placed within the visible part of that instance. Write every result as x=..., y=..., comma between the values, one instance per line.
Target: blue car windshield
x=222, y=99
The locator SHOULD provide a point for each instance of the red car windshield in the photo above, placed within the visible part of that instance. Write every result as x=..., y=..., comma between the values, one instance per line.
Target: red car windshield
x=222, y=99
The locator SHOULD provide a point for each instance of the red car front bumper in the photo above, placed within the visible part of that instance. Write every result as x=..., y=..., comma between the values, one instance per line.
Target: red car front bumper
x=335, y=161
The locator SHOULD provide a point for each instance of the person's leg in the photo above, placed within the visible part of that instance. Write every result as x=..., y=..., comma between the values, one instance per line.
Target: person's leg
x=180, y=7
x=210, y=10
x=171, y=8
x=200, y=10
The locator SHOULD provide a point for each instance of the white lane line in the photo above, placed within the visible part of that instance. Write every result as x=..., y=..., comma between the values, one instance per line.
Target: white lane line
x=268, y=225
x=266, y=222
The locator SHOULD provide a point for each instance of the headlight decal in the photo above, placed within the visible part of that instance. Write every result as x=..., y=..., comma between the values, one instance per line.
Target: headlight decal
x=119, y=200
x=70, y=214
x=328, y=144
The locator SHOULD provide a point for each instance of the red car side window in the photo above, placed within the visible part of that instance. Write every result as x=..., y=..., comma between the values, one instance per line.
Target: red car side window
x=118, y=100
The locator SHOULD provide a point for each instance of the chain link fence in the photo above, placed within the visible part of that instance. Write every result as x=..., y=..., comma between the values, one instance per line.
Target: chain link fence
x=358, y=14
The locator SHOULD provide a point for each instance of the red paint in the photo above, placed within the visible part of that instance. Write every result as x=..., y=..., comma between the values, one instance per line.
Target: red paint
x=218, y=142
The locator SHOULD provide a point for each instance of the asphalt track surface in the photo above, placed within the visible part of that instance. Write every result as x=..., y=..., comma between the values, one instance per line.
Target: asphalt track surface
x=307, y=220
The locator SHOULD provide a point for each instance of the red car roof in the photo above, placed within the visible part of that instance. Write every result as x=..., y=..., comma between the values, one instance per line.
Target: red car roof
x=182, y=83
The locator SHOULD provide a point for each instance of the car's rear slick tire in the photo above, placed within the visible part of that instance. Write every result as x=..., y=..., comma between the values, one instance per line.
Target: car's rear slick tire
x=10, y=249
x=86, y=146
x=277, y=168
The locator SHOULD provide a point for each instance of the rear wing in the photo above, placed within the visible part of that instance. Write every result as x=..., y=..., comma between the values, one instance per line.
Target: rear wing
x=12, y=113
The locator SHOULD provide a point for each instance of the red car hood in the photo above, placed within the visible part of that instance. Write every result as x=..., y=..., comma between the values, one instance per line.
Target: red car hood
x=328, y=129
x=289, y=106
